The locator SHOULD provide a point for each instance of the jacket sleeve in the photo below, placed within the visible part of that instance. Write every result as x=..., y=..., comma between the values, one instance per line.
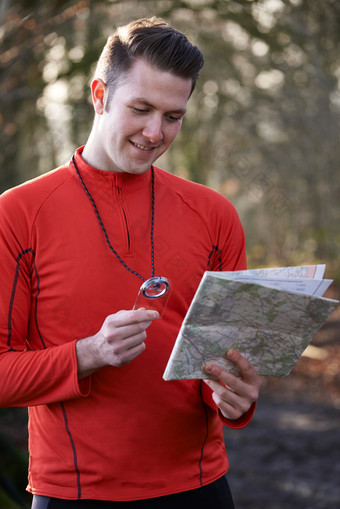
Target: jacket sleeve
x=28, y=377
x=229, y=255
x=40, y=377
x=228, y=239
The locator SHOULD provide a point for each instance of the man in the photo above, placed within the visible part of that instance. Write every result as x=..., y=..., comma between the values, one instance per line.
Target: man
x=105, y=429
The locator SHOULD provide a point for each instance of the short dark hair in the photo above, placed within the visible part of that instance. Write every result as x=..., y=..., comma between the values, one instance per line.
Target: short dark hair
x=158, y=43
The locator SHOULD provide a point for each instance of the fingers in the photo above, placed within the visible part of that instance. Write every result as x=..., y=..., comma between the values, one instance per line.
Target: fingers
x=230, y=404
x=125, y=324
x=247, y=372
x=125, y=351
x=123, y=334
x=234, y=395
x=119, y=341
x=123, y=318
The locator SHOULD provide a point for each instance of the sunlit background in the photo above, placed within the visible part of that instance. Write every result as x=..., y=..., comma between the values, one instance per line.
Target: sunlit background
x=262, y=126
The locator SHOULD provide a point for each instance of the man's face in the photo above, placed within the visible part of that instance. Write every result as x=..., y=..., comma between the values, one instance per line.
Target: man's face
x=143, y=118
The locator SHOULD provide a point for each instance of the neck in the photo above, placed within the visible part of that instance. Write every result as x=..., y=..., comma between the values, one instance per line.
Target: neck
x=89, y=154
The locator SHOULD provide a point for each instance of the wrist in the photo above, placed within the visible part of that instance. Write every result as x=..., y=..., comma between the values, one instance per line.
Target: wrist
x=87, y=361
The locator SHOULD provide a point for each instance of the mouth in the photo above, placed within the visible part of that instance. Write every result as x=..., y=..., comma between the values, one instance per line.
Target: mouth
x=142, y=147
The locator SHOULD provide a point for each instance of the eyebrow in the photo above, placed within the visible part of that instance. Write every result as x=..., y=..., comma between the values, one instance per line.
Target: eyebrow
x=141, y=100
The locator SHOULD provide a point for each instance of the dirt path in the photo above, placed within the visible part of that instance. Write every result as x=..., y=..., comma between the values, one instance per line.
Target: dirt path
x=288, y=457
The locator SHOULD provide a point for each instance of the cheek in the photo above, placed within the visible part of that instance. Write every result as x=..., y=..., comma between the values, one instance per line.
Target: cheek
x=172, y=132
x=128, y=125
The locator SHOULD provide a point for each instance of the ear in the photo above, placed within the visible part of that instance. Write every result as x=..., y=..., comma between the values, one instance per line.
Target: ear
x=98, y=91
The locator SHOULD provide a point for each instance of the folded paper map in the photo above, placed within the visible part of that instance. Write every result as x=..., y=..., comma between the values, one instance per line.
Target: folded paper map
x=268, y=315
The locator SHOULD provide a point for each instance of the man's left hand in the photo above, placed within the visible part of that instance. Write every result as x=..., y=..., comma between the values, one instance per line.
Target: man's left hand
x=234, y=395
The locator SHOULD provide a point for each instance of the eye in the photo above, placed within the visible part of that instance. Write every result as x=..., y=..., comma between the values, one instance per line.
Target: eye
x=174, y=118
x=139, y=111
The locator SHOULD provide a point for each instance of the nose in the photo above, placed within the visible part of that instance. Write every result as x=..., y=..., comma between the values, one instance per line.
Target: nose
x=153, y=130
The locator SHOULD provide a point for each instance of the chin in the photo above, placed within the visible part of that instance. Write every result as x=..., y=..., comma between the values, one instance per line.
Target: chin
x=141, y=171
x=136, y=171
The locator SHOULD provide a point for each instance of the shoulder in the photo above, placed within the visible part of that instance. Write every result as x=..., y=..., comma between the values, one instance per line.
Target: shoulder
x=32, y=193
x=44, y=183
x=197, y=196
x=21, y=205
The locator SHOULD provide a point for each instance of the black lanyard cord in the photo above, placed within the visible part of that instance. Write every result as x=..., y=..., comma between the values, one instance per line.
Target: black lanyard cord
x=104, y=229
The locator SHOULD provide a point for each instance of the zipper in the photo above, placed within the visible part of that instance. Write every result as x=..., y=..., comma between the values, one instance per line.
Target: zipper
x=125, y=220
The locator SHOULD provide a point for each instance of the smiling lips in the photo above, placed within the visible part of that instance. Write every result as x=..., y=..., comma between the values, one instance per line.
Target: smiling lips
x=142, y=147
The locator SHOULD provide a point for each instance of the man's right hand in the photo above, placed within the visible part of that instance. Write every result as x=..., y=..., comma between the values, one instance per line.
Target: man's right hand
x=119, y=341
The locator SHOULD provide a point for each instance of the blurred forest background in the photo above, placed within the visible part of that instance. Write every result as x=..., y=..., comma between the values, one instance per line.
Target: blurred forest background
x=262, y=127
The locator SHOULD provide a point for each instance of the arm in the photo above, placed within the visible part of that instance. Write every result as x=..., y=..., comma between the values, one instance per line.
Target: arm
x=31, y=375
x=228, y=238
x=40, y=377
x=235, y=397
x=37, y=369
x=59, y=373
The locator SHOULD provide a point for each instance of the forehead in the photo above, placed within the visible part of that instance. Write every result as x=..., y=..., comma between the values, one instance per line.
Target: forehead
x=153, y=85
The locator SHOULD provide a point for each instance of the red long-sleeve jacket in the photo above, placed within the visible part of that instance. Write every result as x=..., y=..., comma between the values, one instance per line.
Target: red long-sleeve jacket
x=123, y=433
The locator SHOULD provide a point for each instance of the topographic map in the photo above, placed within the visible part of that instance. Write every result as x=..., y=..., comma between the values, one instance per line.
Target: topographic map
x=270, y=327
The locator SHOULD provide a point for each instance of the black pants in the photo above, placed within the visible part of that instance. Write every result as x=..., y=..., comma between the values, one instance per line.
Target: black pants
x=216, y=495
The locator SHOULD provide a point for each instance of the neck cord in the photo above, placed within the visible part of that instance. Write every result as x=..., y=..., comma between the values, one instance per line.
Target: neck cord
x=105, y=232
